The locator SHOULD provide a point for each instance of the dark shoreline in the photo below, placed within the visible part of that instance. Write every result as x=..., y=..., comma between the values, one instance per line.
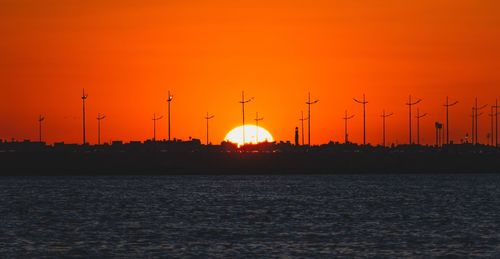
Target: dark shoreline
x=235, y=163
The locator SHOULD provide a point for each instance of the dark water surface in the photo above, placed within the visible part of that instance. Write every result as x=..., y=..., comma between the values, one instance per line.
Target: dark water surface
x=250, y=216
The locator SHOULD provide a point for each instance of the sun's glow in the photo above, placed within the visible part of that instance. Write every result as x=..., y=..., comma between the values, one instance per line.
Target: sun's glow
x=253, y=135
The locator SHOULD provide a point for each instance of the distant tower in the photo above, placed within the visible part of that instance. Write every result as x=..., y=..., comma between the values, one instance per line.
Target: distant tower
x=257, y=119
x=296, y=136
x=207, y=118
x=447, y=105
x=384, y=116
x=99, y=118
x=243, y=102
x=84, y=97
x=154, y=125
x=418, y=124
x=302, y=119
x=309, y=103
x=40, y=120
x=410, y=104
x=364, y=102
x=169, y=100
x=346, y=134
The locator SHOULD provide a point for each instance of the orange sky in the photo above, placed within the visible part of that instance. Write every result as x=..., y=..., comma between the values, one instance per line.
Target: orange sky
x=127, y=54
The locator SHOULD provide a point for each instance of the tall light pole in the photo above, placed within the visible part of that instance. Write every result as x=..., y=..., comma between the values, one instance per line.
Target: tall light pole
x=476, y=109
x=99, y=118
x=154, y=125
x=384, y=116
x=447, y=105
x=208, y=117
x=346, y=134
x=40, y=120
x=302, y=119
x=418, y=124
x=410, y=104
x=257, y=119
x=364, y=102
x=169, y=100
x=309, y=103
x=243, y=102
x=84, y=97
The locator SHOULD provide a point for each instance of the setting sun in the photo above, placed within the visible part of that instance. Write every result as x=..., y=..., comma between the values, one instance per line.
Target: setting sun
x=253, y=135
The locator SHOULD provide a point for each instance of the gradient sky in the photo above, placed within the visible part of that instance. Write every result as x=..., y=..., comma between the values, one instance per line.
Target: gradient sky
x=128, y=54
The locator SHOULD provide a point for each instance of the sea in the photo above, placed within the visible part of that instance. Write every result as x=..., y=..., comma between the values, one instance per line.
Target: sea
x=207, y=216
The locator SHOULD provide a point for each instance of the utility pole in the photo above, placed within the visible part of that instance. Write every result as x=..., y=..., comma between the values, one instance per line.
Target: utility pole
x=309, y=103
x=208, y=117
x=169, y=100
x=84, y=97
x=476, y=109
x=243, y=102
x=99, y=118
x=346, y=134
x=257, y=119
x=154, y=125
x=364, y=102
x=448, y=105
x=384, y=116
x=302, y=119
x=410, y=104
x=418, y=124
x=40, y=120
x=493, y=114
x=496, y=122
